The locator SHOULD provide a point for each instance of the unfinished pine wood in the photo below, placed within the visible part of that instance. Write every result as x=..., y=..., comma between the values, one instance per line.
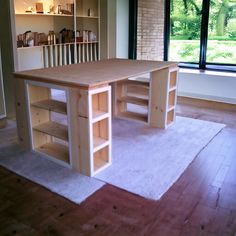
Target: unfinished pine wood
x=73, y=127
x=173, y=79
x=38, y=116
x=158, y=100
x=55, y=150
x=99, y=104
x=94, y=127
x=172, y=99
x=94, y=73
x=101, y=159
x=170, y=117
x=134, y=100
x=51, y=105
x=100, y=133
x=134, y=116
x=119, y=91
x=54, y=129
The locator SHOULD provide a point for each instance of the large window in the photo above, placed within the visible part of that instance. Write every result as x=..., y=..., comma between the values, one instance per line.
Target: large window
x=202, y=33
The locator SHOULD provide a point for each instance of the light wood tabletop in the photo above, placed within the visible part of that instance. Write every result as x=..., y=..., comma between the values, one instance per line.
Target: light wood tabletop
x=91, y=74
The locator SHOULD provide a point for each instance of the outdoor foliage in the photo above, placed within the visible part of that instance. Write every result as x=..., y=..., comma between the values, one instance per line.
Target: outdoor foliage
x=185, y=30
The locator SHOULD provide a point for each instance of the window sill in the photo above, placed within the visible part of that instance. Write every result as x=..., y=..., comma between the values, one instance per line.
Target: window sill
x=207, y=72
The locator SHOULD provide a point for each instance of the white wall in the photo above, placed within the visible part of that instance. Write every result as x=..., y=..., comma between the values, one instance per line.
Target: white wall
x=215, y=86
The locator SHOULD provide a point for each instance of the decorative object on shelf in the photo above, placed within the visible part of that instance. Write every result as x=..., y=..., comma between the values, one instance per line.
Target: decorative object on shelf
x=90, y=12
x=29, y=10
x=39, y=7
x=51, y=37
x=70, y=8
x=59, y=9
x=51, y=9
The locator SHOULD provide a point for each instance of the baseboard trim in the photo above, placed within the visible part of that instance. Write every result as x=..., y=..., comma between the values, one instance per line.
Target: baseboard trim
x=206, y=103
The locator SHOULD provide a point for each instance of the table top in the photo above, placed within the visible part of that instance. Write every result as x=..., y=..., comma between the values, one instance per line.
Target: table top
x=91, y=74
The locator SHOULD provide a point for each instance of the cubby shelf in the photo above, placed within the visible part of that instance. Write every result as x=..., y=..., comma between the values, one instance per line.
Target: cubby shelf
x=134, y=116
x=54, y=129
x=101, y=159
x=172, y=94
x=134, y=100
x=95, y=148
x=56, y=150
x=99, y=115
x=51, y=105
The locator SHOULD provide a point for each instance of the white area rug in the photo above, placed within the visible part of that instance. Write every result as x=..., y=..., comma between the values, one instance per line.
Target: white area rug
x=146, y=161
x=58, y=179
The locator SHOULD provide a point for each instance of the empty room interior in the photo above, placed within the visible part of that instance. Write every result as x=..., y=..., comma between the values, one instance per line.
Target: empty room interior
x=118, y=117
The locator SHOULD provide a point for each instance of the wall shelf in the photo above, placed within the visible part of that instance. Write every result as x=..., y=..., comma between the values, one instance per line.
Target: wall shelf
x=42, y=14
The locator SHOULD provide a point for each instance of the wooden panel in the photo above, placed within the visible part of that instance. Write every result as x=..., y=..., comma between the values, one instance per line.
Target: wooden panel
x=100, y=134
x=83, y=103
x=51, y=105
x=138, y=82
x=56, y=150
x=39, y=138
x=119, y=92
x=22, y=120
x=173, y=79
x=170, y=117
x=73, y=127
x=172, y=99
x=37, y=93
x=85, y=149
x=94, y=73
x=99, y=103
x=158, y=98
x=134, y=116
x=134, y=100
x=54, y=129
x=138, y=91
x=101, y=158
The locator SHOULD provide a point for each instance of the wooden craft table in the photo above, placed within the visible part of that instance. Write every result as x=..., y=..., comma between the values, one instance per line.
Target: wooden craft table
x=84, y=143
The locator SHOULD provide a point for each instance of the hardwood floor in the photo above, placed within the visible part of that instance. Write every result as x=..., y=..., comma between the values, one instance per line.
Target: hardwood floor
x=201, y=202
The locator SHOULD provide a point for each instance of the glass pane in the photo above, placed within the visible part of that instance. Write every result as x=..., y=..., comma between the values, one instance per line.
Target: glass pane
x=222, y=32
x=185, y=21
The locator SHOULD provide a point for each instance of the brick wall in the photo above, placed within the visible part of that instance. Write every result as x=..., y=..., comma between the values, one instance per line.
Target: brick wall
x=150, y=30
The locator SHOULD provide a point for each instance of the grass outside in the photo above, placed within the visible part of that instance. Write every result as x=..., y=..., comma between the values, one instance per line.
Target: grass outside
x=217, y=51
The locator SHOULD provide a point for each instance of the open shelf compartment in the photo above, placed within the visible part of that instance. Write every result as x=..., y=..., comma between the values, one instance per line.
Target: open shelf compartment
x=99, y=105
x=171, y=99
x=48, y=135
x=101, y=159
x=173, y=79
x=100, y=134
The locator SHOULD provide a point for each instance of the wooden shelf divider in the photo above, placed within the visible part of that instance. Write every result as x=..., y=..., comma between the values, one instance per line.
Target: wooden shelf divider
x=51, y=105
x=54, y=129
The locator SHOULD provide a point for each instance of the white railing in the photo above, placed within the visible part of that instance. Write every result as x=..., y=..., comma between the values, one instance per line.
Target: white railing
x=69, y=53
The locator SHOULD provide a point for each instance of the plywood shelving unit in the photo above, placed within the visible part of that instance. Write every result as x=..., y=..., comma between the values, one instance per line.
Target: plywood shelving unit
x=48, y=137
x=133, y=92
x=172, y=95
x=163, y=104
x=95, y=146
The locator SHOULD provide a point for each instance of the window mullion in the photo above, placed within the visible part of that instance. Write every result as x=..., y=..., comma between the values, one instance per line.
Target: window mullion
x=204, y=33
